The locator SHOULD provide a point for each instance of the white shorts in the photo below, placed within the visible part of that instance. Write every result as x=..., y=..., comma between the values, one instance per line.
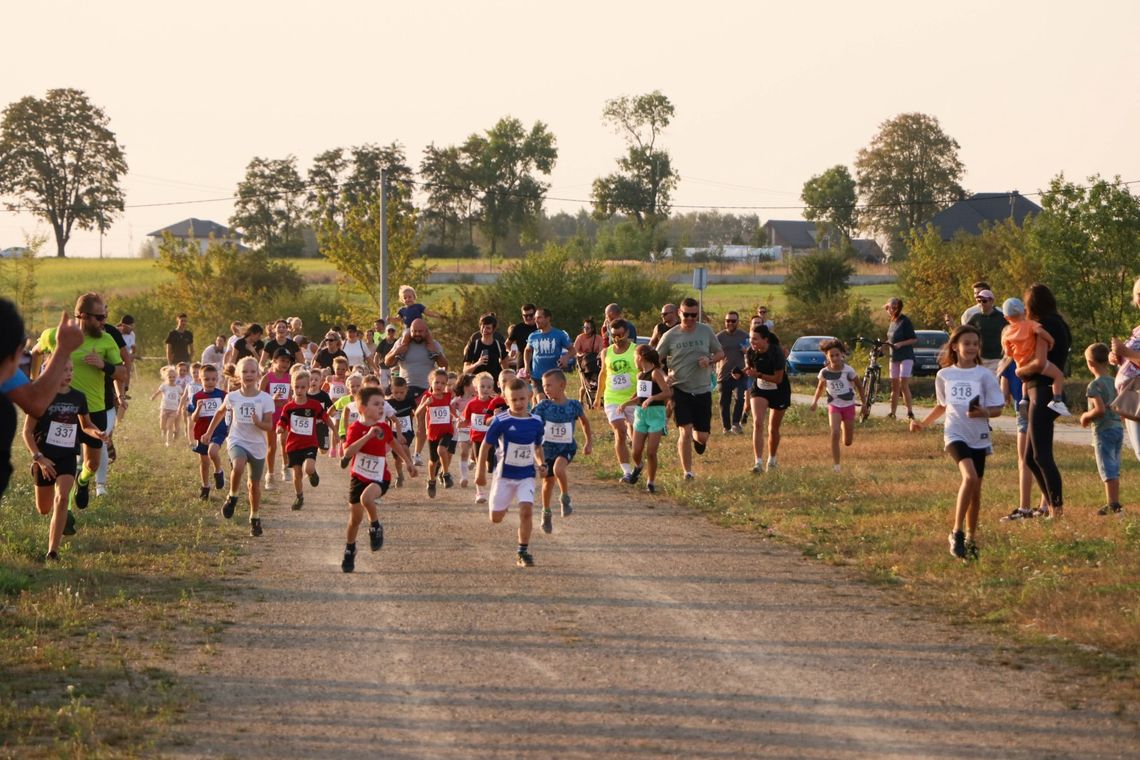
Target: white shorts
x=902, y=369
x=507, y=490
x=614, y=412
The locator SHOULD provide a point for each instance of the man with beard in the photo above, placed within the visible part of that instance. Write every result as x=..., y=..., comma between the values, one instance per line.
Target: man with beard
x=417, y=354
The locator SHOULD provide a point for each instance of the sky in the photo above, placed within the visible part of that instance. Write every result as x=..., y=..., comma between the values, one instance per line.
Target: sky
x=767, y=94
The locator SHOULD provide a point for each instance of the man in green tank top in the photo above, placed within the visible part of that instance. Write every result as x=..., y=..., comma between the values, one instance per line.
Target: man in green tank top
x=619, y=381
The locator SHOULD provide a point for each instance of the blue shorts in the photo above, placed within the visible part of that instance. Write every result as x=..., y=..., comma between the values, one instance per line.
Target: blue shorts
x=1107, y=445
x=551, y=451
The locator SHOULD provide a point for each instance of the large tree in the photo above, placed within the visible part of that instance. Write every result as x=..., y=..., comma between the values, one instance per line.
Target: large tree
x=58, y=155
x=643, y=184
x=830, y=198
x=345, y=178
x=451, y=198
x=504, y=165
x=270, y=205
x=908, y=173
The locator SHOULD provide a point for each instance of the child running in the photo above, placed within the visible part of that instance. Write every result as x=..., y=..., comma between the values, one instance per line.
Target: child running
x=53, y=441
x=188, y=392
x=1108, y=433
x=969, y=395
x=1027, y=343
x=652, y=393
x=169, y=410
x=250, y=419
x=202, y=408
x=337, y=387
x=319, y=394
x=436, y=403
x=345, y=407
x=839, y=381
x=475, y=414
x=367, y=445
x=558, y=415
x=404, y=407
x=299, y=422
x=514, y=436
x=278, y=385
x=464, y=392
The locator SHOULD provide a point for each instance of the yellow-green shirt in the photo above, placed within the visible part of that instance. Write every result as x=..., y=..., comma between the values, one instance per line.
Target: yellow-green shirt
x=621, y=375
x=88, y=380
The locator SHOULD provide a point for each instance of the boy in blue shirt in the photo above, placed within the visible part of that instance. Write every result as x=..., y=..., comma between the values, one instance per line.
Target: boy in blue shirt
x=558, y=415
x=514, y=437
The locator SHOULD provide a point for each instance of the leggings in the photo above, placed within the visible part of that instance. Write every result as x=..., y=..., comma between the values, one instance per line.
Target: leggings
x=1039, y=452
x=104, y=457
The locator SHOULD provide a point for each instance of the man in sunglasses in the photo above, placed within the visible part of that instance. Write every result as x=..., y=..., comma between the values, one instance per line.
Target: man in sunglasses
x=692, y=350
x=669, y=320
x=989, y=321
x=97, y=360
x=519, y=333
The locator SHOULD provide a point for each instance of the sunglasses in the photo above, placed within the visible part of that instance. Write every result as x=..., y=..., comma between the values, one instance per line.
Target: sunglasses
x=984, y=300
x=731, y=321
x=689, y=314
x=96, y=317
x=528, y=314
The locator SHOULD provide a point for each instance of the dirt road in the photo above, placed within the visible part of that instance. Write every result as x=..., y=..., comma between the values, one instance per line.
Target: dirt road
x=639, y=633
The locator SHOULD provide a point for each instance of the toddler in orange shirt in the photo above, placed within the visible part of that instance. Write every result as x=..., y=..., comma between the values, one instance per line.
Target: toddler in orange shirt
x=1024, y=341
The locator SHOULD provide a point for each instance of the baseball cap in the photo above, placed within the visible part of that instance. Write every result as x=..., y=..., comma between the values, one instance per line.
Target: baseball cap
x=391, y=328
x=127, y=320
x=1013, y=307
x=332, y=335
x=985, y=295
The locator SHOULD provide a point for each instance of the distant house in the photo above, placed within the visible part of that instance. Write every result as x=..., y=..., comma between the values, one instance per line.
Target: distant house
x=724, y=253
x=970, y=214
x=869, y=250
x=199, y=230
x=794, y=236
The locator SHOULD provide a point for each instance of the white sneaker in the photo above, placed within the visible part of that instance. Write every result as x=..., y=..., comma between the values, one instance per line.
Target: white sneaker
x=100, y=489
x=480, y=498
x=284, y=475
x=418, y=460
x=771, y=464
x=835, y=468
x=268, y=483
x=1059, y=407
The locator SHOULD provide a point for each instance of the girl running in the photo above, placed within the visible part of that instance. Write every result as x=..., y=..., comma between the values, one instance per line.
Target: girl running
x=169, y=409
x=278, y=385
x=653, y=391
x=968, y=394
x=464, y=394
x=475, y=415
x=771, y=393
x=839, y=381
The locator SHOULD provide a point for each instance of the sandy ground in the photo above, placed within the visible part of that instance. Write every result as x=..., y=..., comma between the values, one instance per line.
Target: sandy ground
x=643, y=631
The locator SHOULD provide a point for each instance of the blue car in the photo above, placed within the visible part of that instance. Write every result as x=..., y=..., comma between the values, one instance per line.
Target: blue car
x=805, y=358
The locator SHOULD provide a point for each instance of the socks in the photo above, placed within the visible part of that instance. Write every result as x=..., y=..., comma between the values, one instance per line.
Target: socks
x=626, y=468
x=771, y=461
x=85, y=476
x=463, y=470
x=523, y=548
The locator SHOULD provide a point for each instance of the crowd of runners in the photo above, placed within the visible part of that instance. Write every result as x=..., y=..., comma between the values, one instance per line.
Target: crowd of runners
x=388, y=406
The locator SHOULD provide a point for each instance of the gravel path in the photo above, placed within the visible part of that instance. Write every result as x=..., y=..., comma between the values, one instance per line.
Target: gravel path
x=639, y=633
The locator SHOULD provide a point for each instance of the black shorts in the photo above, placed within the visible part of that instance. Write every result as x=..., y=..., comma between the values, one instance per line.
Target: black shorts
x=356, y=490
x=323, y=436
x=409, y=437
x=693, y=409
x=100, y=421
x=777, y=399
x=63, y=466
x=298, y=457
x=445, y=441
x=960, y=451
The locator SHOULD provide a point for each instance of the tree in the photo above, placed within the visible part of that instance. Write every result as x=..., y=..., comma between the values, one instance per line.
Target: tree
x=643, y=185
x=270, y=205
x=819, y=299
x=908, y=173
x=61, y=159
x=503, y=164
x=830, y=198
x=451, y=197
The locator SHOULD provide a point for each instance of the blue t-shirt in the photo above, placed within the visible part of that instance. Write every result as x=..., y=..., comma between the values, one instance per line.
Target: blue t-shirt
x=514, y=439
x=222, y=430
x=546, y=350
x=17, y=379
x=564, y=416
x=1015, y=384
x=411, y=313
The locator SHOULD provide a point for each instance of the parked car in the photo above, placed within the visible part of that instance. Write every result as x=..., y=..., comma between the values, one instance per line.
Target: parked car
x=805, y=358
x=926, y=351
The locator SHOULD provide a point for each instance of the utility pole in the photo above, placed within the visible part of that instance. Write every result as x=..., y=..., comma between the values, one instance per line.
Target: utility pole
x=384, y=245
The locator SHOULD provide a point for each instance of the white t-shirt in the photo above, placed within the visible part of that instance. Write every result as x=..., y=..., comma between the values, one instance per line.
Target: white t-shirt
x=356, y=352
x=230, y=341
x=840, y=386
x=213, y=356
x=129, y=339
x=954, y=389
x=242, y=430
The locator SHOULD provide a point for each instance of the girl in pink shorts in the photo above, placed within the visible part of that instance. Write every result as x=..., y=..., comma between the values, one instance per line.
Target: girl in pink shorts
x=838, y=380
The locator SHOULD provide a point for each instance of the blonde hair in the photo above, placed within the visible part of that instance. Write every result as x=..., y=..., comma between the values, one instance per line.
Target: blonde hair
x=339, y=362
x=405, y=289
x=244, y=362
x=166, y=370
x=301, y=376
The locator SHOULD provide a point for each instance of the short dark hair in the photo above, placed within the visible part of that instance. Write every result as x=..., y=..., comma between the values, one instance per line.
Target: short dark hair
x=766, y=334
x=980, y=285
x=127, y=320
x=282, y=352
x=399, y=382
x=620, y=324
x=366, y=394
x=1098, y=352
x=12, y=335
x=554, y=374
x=351, y=327
x=545, y=312
x=489, y=319
x=528, y=307
x=182, y=316
x=827, y=345
x=689, y=303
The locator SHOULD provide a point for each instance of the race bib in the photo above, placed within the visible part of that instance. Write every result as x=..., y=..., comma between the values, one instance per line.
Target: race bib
x=279, y=388
x=620, y=382
x=351, y=416
x=246, y=412
x=559, y=432
x=61, y=434
x=440, y=415
x=644, y=388
x=959, y=392
x=463, y=435
x=405, y=424
x=337, y=391
x=479, y=424
x=171, y=396
x=300, y=425
x=764, y=385
x=368, y=466
x=208, y=407
x=519, y=455
x=836, y=388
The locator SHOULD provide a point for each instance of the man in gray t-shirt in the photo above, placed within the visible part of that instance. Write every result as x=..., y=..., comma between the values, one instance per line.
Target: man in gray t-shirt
x=692, y=349
x=417, y=354
x=732, y=341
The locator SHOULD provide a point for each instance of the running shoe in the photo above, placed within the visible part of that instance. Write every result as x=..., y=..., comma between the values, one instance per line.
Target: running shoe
x=376, y=537
x=564, y=500
x=314, y=480
x=219, y=480
x=447, y=480
x=418, y=460
x=298, y=502
x=1110, y=509
x=285, y=477
x=758, y=468
x=737, y=429
x=82, y=494
x=971, y=550
x=689, y=476
x=69, y=526
x=51, y=557
x=100, y=490
x=205, y=494
x=344, y=462
x=229, y=506
x=524, y=559
x=771, y=464
x=547, y=521
x=958, y=544
x=626, y=478
x=650, y=488
x=1021, y=513
x=431, y=488
x=728, y=431
x=268, y=483
x=111, y=455
x=633, y=476
x=699, y=447
x=348, y=564
x=1058, y=406
x=255, y=526
x=480, y=498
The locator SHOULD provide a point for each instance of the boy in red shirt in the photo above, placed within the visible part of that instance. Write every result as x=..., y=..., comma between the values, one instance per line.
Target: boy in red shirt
x=367, y=444
x=299, y=418
x=203, y=406
x=436, y=404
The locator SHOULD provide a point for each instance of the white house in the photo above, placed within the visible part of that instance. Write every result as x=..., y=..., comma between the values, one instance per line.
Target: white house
x=199, y=230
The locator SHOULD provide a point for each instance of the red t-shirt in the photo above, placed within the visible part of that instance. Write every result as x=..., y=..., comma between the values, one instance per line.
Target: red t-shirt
x=207, y=403
x=438, y=415
x=475, y=413
x=368, y=465
x=300, y=420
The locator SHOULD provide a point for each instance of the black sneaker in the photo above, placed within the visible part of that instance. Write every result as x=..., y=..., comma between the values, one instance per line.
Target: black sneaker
x=689, y=476
x=627, y=478
x=971, y=550
x=376, y=537
x=298, y=502
x=699, y=447
x=564, y=500
x=229, y=506
x=82, y=494
x=650, y=488
x=958, y=544
x=447, y=480
x=635, y=474
x=523, y=559
x=1110, y=509
x=1020, y=514
x=205, y=494
x=314, y=480
x=69, y=526
x=348, y=564
x=431, y=488
x=219, y=481
x=255, y=526
x=547, y=521
x=51, y=557
x=344, y=461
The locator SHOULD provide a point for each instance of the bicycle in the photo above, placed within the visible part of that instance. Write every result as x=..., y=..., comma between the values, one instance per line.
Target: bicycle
x=873, y=373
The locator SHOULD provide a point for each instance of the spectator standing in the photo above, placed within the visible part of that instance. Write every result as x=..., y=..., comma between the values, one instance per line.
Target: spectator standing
x=179, y=343
x=358, y=351
x=731, y=382
x=901, y=338
x=989, y=322
x=520, y=331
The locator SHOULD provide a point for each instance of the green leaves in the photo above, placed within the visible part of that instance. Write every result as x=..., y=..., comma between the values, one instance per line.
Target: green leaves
x=830, y=197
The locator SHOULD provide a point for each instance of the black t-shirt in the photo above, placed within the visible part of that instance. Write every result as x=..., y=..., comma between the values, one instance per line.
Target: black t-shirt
x=109, y=395
x=495, y=353
x=179, y=343
x=324, y=357
x=242, y=349
x=289, y=345
x=769, y=363
x=7, y=433
x=383, y=348
x=323, y=397
x=519, y=333
x=60, y=424
x=1058, y=355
